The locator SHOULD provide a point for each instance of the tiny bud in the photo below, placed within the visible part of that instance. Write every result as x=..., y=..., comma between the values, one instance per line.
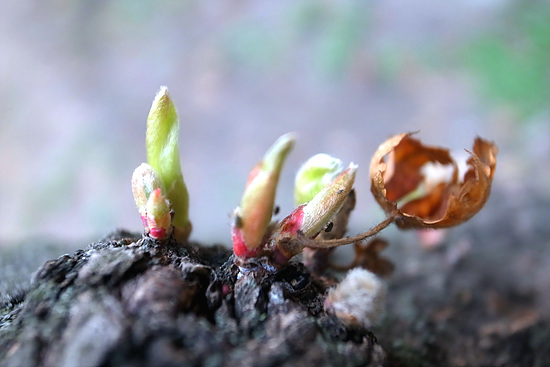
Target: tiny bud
x=358, y=300
x=144, y=181
x=258, y=199
x=320, y=210
x=309, y=219
x=159, y=217
x=314, y=175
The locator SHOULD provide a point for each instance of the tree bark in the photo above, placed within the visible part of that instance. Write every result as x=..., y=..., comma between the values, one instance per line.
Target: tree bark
x=127, y=301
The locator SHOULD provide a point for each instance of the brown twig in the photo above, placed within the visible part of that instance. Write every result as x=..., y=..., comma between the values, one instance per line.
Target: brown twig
x=348, y=240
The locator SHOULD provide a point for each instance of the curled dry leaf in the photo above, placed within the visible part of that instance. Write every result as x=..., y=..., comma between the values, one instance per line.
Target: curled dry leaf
x=401, y=186
x=368, y=256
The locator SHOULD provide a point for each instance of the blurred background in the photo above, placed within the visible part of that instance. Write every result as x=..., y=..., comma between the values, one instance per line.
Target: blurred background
x=77, y=79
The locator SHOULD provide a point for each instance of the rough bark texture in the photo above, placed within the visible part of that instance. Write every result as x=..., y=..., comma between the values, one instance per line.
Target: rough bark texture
x=130, y=302
x=481, y=298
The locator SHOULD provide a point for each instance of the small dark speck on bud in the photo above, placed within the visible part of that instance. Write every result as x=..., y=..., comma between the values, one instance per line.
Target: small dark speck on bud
x=238, y=221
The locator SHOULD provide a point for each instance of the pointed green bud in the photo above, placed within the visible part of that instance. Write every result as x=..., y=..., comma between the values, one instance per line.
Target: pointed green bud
x=144, y=181
x=314, y=175
x=320, y=210
x=312, y=217
x=163, y=156
x=253, y=216
x=309, y=219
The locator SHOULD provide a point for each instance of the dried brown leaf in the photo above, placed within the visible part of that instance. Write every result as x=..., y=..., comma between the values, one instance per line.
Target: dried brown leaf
x=397, y=173
x=368, y=257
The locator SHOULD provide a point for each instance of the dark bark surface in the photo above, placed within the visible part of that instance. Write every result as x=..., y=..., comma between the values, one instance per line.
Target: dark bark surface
x=130, y=302
x=481, y=298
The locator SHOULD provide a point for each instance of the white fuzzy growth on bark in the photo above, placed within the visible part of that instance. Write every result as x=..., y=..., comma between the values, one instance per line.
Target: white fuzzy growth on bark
x=359, y=299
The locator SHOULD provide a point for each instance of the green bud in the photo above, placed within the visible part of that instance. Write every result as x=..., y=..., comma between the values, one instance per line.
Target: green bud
x=144, y=181
x=255, y=211
x=309, y=219
x=320, y=210
x=163, y=156
x=159, y=218
x=314, y=175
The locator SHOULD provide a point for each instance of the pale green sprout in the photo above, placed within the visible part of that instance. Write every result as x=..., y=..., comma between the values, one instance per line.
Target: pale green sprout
x=326, y=203
x=163, y=156
x=314, y=175
x=310, y=218
x=254, y=214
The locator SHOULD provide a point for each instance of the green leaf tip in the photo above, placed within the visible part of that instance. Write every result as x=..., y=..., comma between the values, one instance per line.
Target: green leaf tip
x=319, y=211
x=316, y=173
x=163, y=156
x=254, y=214
x=309, y=219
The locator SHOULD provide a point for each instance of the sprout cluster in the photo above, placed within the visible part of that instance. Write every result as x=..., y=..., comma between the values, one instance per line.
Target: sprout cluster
x=323, y=192
x=325, y=197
